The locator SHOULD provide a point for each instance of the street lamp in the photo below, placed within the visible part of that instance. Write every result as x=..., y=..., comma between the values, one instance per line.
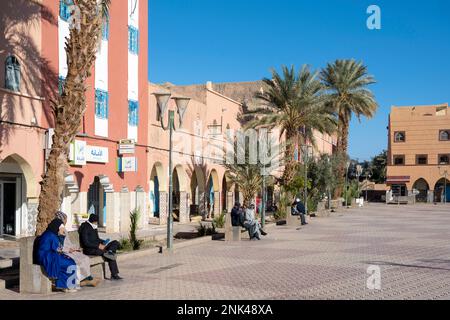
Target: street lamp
x=445, y=174
x=162, y=99
x=359, y=170
x=305, y=151
x=369, y=175
x=346, y=182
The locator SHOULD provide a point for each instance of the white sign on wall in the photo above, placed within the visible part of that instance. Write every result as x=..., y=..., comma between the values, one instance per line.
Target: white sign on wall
x=78, y=153
x=97, y=154
x=127, y=164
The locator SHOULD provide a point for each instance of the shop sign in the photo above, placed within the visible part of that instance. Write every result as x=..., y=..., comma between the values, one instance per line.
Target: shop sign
x=97, y=154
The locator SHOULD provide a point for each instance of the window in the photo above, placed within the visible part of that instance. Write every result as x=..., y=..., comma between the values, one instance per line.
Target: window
x=64, y=9
x=422, y=159
x=12, y=73
x=105, y=30
x=101, y=104
x=61, y=82
x=133, y=113
x=444, y=159
x=444, y=135
x=133, y=40
x=399, y=160
x=399, y=136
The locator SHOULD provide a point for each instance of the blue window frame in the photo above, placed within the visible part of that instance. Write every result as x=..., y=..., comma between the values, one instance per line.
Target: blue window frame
x=61, y=81
x=133, y=113
x=133, y=40
x=105, y=30
x=64, y=11
x=12, y=73
x=101, y=104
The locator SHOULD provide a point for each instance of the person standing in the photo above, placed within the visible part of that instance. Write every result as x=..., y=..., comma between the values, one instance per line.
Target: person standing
x=94, y=246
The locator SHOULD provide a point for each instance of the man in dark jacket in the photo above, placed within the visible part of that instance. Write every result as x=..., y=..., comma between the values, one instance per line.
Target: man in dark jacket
x=94, y=246
x=236, y=215
x=300, y=210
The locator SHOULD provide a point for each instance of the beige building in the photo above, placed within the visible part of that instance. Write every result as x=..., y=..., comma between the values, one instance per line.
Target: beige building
x=419, y=152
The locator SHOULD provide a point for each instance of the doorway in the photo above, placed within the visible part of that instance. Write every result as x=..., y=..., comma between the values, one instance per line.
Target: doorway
x=8, y=206
x=97, y=201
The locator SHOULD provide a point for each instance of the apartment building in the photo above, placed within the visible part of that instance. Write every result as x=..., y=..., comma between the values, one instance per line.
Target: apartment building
x=419, y=152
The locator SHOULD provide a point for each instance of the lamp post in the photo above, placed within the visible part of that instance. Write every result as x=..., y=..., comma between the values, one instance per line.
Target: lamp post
x=305, y=151
x=346, y=181
x=162, y=99
x=368, y=174
x=445, y=174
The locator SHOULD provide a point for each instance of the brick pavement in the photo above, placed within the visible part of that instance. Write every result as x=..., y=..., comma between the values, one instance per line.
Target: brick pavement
x=327, y=259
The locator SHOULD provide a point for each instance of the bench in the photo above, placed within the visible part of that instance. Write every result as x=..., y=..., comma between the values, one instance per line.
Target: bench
x=32, y=275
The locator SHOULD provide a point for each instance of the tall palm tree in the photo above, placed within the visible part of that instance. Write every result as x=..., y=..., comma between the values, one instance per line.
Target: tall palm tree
x=70, y=106
x=294, y=103
x=346, y=82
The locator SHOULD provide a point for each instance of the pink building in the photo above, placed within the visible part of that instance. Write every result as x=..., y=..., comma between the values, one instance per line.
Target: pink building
x=32, y=53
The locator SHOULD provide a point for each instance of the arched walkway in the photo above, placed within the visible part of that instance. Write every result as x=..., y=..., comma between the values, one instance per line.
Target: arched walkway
x=157, y=185
x=212, y=192
x=442, y=191
x=17, y=186
x=179, y=192
x=197, y=194
x=422, y=187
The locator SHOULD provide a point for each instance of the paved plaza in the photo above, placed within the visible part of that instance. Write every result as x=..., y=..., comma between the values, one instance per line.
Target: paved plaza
x=327, y=259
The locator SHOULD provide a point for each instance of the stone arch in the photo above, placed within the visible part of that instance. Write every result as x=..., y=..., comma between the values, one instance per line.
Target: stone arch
x=158, y=171
x=440, y=193
x=422, y=186
x=215, y=180
x=32, y=190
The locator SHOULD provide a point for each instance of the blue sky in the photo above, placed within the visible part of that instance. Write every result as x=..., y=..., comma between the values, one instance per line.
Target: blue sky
x=193, y=41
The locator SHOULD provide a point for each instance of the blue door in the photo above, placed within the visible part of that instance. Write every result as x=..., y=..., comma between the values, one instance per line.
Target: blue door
x=156, y=197
x=447, y=193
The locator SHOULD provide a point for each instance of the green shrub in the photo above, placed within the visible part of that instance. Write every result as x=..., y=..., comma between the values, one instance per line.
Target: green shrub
x=204, y=230
x=134, y=219
x=125, y=245
x=219, y=221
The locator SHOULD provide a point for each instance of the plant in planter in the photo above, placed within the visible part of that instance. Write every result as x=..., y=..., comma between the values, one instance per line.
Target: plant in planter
x=219, y=221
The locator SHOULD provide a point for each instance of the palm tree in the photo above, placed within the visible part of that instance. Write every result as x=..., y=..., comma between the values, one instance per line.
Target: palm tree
x=295, y=104
x=70, y=106
x=346, y=82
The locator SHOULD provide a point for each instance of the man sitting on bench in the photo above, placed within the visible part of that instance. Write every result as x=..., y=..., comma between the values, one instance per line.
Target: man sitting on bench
x=94, y=246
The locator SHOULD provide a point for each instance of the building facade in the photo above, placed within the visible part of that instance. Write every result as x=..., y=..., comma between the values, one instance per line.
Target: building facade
x=100, y=179
x=419, y=152
x=119, y=160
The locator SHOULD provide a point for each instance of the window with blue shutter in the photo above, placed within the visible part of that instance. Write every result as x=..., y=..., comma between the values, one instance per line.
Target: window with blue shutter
x=133, y=113
x=133, y=40
x=61, y=81
x=64, y=11
x=101, y=104
x=12, y=73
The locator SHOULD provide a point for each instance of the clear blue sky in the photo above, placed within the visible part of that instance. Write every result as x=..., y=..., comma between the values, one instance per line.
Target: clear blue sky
x=193, y=41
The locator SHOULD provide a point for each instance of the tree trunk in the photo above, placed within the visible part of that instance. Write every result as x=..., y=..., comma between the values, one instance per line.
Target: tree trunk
x=81, y=48
x=291, y=164
x=342, y=146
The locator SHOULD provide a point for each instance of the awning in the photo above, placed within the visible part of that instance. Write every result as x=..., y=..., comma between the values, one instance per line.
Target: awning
x=398, y=179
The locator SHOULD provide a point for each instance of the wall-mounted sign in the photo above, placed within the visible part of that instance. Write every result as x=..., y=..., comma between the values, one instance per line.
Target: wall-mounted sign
x=97, y=154
x=127, y=164
x=127, y=146
x=77, y=153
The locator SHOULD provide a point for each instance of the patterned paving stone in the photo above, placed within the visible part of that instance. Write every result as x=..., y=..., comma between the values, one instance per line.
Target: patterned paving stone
x=328, y=259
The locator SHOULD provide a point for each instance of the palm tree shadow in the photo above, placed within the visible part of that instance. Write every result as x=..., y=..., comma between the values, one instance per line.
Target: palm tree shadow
x=18, y=21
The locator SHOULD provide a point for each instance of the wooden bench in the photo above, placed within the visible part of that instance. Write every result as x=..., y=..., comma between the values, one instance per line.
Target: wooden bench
x=32, y=275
